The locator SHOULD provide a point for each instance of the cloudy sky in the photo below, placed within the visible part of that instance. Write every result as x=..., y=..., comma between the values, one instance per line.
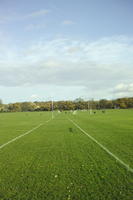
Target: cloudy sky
x=65, y=49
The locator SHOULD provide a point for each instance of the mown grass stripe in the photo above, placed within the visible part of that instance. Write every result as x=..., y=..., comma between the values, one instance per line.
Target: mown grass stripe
x=103, y=147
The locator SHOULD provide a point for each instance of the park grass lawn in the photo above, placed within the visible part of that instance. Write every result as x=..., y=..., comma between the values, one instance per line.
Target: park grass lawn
x=57, y=161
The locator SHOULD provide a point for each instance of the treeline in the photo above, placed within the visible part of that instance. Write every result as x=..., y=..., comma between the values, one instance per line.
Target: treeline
x=78, y=104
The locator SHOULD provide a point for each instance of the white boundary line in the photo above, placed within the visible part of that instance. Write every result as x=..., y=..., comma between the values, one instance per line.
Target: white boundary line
x=48, y=120
x=103, y=147
x=16, y=138
x=22, y=135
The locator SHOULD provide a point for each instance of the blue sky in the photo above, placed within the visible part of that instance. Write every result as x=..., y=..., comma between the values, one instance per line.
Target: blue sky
x=65, y=49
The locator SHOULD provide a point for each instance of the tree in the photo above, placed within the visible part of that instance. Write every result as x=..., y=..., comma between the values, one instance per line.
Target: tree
x=1, y=102
x=28, y=106
x=103, y=103
x=15, y=107
x=123, y=105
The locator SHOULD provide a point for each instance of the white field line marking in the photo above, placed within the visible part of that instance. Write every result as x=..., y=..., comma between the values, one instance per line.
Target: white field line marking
x=48, y=120
x=103, y=147
x=16, y=138
x=26, y=133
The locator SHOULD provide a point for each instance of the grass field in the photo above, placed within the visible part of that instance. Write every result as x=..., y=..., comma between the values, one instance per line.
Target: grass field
x=57, y=161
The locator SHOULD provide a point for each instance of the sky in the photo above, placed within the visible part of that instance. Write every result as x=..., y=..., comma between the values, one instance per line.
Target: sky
x=65, y=49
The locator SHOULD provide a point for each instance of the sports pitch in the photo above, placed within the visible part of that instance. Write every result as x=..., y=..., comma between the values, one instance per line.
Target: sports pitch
x=88, y=158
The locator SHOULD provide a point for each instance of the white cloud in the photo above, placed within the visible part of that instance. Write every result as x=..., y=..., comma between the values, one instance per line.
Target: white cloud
x=124, y=89
x=34, y=97
x=51, y=63
x=14, y=17
x=38, y=13
x=68, y=22
x=72, y=50
x=121, y=87
x=95, y=66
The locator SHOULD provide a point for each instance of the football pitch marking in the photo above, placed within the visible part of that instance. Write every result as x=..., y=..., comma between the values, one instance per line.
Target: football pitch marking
x=22, y=135
x=103, y=147
x=48, y=120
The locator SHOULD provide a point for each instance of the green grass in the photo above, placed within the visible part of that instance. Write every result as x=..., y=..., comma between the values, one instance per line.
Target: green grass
x=58, y=162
